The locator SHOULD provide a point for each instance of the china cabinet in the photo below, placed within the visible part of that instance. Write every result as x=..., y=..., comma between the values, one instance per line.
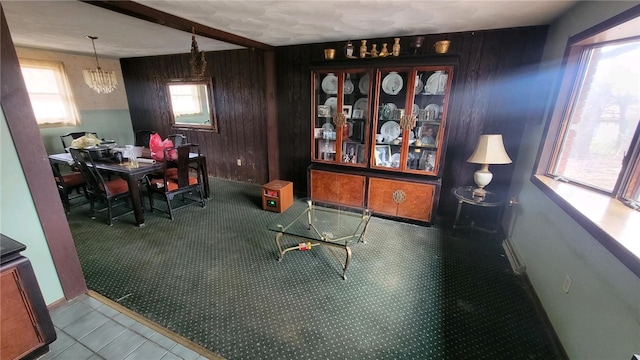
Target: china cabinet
x=379, y=133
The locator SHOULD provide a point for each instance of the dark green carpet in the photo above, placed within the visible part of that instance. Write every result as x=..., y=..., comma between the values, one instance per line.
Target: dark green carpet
x=212, y=276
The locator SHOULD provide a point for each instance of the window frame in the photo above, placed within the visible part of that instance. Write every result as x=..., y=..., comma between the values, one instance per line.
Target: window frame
x=206, y=97
x=605, y=216
x=578, y=59
x=65, y=93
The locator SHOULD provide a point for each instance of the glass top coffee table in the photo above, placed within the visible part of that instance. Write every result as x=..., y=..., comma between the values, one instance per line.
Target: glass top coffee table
x=317, y=223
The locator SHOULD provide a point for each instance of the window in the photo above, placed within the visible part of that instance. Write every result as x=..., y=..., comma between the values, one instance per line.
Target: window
x=185, y=100
x=595, y=125
x=589, y=159
x=49, y=93
x=192, y=104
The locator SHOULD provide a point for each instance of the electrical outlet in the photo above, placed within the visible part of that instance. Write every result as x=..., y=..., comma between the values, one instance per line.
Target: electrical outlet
x=567, y=284
x=239, y=162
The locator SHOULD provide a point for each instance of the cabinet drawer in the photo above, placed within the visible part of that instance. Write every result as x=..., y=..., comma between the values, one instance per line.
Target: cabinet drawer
x=338, y=188
x=401, y=198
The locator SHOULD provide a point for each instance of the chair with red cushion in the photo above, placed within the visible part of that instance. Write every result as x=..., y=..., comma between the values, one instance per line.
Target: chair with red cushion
x=112, y=192
x=67, y=184
x=178, y=179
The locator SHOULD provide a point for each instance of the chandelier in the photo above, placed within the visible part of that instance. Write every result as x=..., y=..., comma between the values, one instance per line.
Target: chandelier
x=102, y=82
x=197, y=62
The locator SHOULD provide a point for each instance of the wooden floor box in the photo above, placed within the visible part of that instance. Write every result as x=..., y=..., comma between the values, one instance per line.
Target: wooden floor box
x=277, y=195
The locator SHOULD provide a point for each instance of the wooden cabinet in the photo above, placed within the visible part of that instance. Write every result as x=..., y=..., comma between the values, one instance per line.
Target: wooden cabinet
x=403, y=199
x=384, y=122
x=25, y=325
x=340, y=188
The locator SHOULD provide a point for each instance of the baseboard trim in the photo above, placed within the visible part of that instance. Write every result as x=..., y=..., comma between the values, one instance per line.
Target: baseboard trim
x=517, y=265
x=159, y=328
x=56, y=304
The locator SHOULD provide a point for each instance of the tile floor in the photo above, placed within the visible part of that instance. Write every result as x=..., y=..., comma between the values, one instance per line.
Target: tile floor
x=87, y=328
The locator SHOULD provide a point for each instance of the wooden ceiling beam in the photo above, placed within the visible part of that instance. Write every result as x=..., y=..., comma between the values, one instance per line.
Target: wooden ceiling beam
x=146, y=13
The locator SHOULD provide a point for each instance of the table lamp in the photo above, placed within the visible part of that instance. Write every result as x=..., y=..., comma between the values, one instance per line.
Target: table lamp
x=490, y=150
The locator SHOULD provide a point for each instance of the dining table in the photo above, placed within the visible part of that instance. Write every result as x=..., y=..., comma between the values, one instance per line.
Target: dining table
x=134, y=175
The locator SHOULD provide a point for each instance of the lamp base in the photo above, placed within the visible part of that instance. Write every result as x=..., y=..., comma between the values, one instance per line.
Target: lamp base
x=479, y=193
x=482, y=178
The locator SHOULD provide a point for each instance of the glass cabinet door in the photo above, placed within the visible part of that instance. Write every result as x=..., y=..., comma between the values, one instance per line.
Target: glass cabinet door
x=355, y=107
x=430, y=91
x=326, y=105
x=343, y=139
x=392, y=93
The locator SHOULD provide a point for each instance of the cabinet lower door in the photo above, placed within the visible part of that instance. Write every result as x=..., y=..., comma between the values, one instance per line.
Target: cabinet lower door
x=401, y=198
x=19, y=328
x=337, y=188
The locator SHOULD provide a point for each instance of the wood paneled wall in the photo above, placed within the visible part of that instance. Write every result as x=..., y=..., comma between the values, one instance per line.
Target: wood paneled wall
x=494, y=88
x=239, y=95
x=493, y=92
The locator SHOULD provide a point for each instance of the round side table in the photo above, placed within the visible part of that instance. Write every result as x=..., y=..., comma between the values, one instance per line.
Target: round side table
x=464, y=194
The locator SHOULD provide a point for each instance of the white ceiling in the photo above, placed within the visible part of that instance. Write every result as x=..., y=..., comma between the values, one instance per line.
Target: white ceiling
x=63, y=25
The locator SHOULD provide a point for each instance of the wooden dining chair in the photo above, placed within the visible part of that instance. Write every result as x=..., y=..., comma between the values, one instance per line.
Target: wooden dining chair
x=177, y=139
x=67, y=184
x=69, y=137
x=178, y=179
x=142, y=137
x=112, y=192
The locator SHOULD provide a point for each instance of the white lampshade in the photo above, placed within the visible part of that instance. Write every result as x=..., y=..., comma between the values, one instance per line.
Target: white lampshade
x=490, y=150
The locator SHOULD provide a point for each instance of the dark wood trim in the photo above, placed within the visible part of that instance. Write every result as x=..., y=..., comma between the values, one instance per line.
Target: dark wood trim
x=21, y=121
x=146, y=13
x=272, y=115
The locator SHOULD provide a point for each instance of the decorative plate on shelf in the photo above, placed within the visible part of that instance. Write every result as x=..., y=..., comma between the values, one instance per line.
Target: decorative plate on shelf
x=387, y=111
x=362, y=104
x=419, y=83
x=330, y=84
x=391, y=106
x=392, y=83
x=433, y=110
x=332, y=102
x=415, y=110
x=363, y=85
x=390, y=130
x=436, y=83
